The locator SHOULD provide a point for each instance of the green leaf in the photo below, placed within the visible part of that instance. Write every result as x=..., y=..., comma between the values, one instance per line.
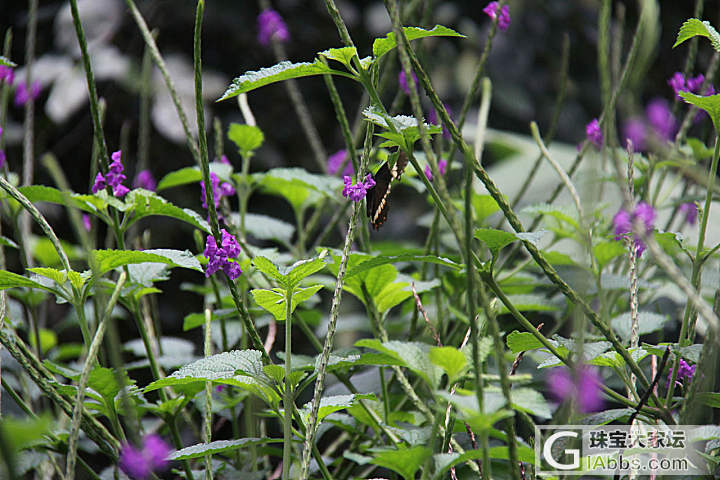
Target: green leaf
x=277, y=73
x=694, y=27
x=103, y=380
x=710, y=399
x=405, y=461
x=450, y=359
x=559, y=213
x=415, y=355
x=13, y=280
x=58, y=276
x=110, y=259
x=445, y=461
x=710, y=104
x=268, y=268
x=298, y=186
x=274, y=300
x=523, y=341
x=343, y=55
x=6, y=62
x=384, y=259
x=484, y=206
x=302, y=269
x=332, y=404
x=145, y=203
x=381, y=46
x=78, y=279
x=529, y=303
x=648, y=322
x=495, y=240
x=608, y=250
x=6, y=242
x=200, y=450
x=402, y=123
x=42, y=193
x=607, y=416
x=25, y=432
x=247, y=138
x=48, y=339
x=264, y=227
x=188, y=175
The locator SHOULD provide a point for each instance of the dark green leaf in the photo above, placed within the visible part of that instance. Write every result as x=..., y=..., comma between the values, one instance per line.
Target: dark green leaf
x=200, y=450
x=147, y=203
x=694, y=27
x=495, y=240
x=110, y=259
x=405, y=461
x=710, y=104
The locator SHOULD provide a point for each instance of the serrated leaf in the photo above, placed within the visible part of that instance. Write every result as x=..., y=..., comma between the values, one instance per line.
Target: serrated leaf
x=648, y=322
x=13, y=280
x=110, y=259
x=381, y=46
x=78, y=279
x=302, y=269
x=710, y=104
x=146, y=203
x=400, y=122
x=405, y=461
x=103, y=381
x=495, y=240
x=384, y=259
x=343, y=55
x=276, y=372
x=251, y=80
x=200, y=450
x=246, y=137
x=450, y=359
x=523, y=341
x=268, y=268
x=274, y=300
x=694, y=27
x=415, y=355
x=188, y=175
x=242, y=368
x=332, y=404
x=58, y=276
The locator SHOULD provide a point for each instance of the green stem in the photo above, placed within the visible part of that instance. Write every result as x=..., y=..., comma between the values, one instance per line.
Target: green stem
x=288, y=402
x=207, y=431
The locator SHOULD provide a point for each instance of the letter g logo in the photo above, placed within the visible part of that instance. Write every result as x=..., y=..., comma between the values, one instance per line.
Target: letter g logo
x=572, y=452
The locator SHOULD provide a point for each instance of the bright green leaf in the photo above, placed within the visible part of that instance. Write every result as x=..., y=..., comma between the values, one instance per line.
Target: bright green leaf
x=694, y=27
x=495, y=240
x=343, y=55
x=6, y=62
x=484, y=206
x=58, y=276
x=13, y=280
x=710, y=104
x=608, y=250
x=450, y=359
x=277, y=73
x=247, y=138
x=384, y=259
x=415, y=355
x=405, y=461
x=383, y=45
x=188, y=175
x=274, y=300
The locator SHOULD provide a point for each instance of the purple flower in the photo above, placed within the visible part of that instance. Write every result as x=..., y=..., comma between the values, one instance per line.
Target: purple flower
x=218, y=190
x=86, y=222
x=402, y=80
x=442, y=166
x=113, y=178
x=271, y=25
x=2, y=158
x=357, y=192
x=690, y=210
x=219, y=258
x=7, y=74
x=433, y=119
x=594, y=134
x=635, y=131
x=492, y=11
x=145, y=179
x=583, y=386
x=336, y=160
x=661, y=119
x=99, y=183
x=140, y=463
x=685, y=370
x=22, y=96
x=224, y=159
x=679, y=84
x=623, y=223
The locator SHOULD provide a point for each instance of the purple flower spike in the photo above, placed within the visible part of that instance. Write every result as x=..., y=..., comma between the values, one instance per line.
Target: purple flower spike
x=685, y=371
x=336, y=160
x=661, y=119
x=404, y=85
x=7, y=75
x=2, y=158
x=623, y=223
x=99, y=183
x=139, y=464
x=584, y=387
x=224, y=159
x=219, y=190
x=145, y=179
x=219, y=258
x=433, y=119
x=594, y=134
x=635, y=131
x=357, y=192
x=22, y=95
x=442, y=166
x=677, y=83
x=86, y=222
x=492, y=10
x=271, y=25
x=690, y=210
x=646, y=214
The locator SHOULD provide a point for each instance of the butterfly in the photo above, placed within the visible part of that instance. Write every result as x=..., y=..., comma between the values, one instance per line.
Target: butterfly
x=377, y=196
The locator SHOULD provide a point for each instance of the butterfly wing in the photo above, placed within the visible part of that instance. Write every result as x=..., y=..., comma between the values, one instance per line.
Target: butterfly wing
x=377, y=196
